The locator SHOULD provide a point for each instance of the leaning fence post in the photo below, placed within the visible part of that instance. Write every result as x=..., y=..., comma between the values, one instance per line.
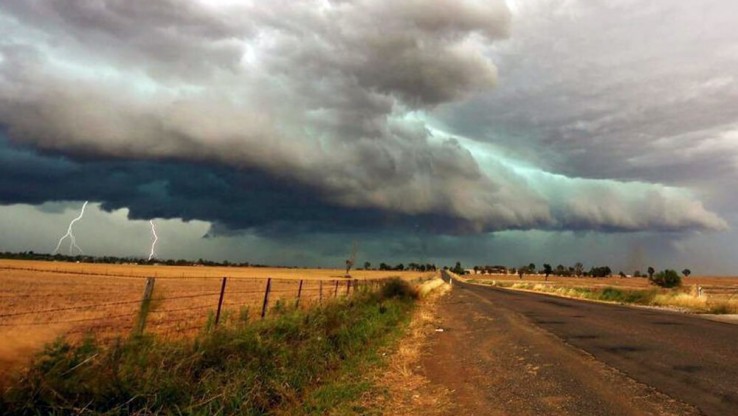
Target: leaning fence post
x=145, y=304
x=220, y=301
x=299, y=292
x=266, y=297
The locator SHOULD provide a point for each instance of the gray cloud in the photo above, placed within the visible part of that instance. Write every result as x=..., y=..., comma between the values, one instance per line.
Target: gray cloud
x=621, y=90
x=335, y=95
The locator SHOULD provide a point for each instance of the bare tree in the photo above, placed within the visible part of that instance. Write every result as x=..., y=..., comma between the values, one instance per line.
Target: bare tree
x=351, y=260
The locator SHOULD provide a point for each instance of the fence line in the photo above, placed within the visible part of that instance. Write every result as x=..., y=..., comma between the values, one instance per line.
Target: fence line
x=297, y=293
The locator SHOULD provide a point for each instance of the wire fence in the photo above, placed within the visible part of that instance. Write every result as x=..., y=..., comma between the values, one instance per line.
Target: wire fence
x=108, y=308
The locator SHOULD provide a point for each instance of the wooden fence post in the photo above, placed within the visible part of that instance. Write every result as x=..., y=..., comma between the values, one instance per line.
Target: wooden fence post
x=143, y=312
x=266, y=298
x=220, y=301
x=299, y=292
x=348, y=287
x=335, y=291
x=320, y=293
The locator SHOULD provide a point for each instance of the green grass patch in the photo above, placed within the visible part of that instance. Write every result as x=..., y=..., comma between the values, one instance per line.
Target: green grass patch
x=298, y=362
x=642, y=297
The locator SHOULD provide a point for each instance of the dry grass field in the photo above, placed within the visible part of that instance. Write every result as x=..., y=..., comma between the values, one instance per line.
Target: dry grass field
x=702, y=294
x=40, y=301
x=707, y=282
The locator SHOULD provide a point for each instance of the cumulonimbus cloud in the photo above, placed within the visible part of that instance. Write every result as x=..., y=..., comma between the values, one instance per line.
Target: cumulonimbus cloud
x=331, y=94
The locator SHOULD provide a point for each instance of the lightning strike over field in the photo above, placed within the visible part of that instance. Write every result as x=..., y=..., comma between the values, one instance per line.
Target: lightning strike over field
x=70, y=234
x=153, y=243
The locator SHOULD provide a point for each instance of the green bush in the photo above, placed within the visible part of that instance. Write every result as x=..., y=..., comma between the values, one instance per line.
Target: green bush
x=666, y=278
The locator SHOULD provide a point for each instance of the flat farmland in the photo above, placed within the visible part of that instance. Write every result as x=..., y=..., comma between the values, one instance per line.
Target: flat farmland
x=706, y=282
x=702, y=294
x=40, y=301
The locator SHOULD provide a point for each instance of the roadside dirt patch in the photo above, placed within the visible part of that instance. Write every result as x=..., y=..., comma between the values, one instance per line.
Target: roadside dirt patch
x=405, y=390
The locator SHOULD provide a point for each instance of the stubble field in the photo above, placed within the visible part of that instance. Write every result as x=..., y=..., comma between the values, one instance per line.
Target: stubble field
x=39, y=301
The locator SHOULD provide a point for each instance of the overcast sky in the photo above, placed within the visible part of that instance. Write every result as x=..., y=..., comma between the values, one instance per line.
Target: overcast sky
x=280, y=132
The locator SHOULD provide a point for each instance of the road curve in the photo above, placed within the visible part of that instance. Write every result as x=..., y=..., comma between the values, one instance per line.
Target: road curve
x=562, y=356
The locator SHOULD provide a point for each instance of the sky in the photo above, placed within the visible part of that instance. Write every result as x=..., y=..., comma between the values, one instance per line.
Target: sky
x=283, y=132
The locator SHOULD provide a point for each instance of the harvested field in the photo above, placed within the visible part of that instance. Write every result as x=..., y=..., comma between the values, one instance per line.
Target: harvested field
x=43, y=300
x=133, y=270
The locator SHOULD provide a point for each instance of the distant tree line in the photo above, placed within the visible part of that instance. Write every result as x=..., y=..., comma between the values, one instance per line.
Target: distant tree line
x=416, y=267
x=665, y=278
x=30, y=255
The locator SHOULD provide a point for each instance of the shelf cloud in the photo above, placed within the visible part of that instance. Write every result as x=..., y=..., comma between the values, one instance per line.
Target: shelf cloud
x=315, y=114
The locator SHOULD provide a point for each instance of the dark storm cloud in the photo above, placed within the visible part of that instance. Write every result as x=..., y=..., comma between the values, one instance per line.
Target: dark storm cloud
x=320, y=100
x=232, y=199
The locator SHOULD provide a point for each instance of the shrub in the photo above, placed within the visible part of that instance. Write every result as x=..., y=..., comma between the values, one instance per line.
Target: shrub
x=627, y=296
x=398, y=288
x=666, y=278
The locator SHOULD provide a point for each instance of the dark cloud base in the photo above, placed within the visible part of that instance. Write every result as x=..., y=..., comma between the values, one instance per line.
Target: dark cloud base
x=232, y=199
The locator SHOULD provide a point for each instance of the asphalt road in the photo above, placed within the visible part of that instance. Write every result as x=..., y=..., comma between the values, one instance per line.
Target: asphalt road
x=527, y=353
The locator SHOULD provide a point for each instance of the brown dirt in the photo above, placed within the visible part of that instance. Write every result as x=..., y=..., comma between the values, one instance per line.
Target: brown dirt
x=406, y=390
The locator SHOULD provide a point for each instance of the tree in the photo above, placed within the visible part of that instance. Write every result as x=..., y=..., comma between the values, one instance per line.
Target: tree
x=547, y=270
x=602, y=271
x=349, y=265
x=560, y=270
x=532, y=268
x=686, y=272
x=651, y=271
x=352, y=259
x=521, y=271
x=637, y=273
x=666, y=278
x=367, y=265
x=578, y=269
x=622, y=274
x=457, y=268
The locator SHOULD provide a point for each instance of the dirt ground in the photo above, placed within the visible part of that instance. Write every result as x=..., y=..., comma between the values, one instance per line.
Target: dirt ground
x=405, y=390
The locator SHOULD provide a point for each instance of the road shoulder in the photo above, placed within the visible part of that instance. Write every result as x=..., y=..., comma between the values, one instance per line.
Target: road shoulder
x=497, y=362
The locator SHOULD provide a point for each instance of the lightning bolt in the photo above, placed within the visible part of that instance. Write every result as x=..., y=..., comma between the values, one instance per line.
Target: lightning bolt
x=153, y=243
x=72, y=239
